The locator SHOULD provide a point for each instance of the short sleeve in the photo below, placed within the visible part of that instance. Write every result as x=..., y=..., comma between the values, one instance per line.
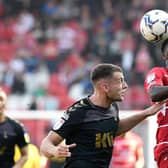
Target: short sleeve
x=68, y=122
x=22, y=135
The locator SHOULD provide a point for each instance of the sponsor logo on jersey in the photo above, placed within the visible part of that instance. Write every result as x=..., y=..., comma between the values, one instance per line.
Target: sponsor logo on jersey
x=61, y=121
x=104, y=140
x=58, y=124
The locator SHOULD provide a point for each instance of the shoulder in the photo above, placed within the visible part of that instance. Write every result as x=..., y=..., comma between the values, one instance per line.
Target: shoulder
x=77, y=112
x=157, y=70
x=15, y=123
x=79, y=105
x=155, y=73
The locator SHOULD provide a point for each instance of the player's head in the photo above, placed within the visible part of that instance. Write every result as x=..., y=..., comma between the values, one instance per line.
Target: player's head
x=3, y=100
x=109, y=80
x=102, y=71
x=164, y=49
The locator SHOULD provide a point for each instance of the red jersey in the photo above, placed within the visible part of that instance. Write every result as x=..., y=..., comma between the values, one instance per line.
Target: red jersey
x=128, y=149
x=159, y=76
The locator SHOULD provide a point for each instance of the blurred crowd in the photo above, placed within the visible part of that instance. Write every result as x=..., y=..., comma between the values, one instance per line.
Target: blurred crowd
x=48, y=47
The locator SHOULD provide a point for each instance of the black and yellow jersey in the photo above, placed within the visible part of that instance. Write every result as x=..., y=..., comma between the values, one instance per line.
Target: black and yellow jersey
x=11, y=133
x=93, y=129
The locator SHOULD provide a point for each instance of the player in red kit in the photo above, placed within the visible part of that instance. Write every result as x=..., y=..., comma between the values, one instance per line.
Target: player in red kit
x=128, y=151
x=156, y=85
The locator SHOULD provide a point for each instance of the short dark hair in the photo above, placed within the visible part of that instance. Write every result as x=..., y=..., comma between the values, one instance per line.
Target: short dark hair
x=102, y=71
x=163, y=46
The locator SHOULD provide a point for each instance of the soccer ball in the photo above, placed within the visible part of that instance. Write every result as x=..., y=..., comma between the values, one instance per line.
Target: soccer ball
x=154, y=25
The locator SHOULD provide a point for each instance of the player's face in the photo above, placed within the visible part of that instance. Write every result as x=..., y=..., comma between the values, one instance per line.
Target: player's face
x=2, y=101
x=117, y=87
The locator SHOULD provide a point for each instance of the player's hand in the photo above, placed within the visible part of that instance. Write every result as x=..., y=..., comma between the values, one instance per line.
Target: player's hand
x=63, y=151
x=155, y=108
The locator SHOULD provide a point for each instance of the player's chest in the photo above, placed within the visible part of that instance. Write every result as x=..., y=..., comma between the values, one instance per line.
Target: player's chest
x=7, y=136
x=102, y=126
x=100, y=133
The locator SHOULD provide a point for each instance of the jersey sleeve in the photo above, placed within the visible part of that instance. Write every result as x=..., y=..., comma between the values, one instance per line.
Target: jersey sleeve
x=22, y=135
x=69, y=120
x=154, y=77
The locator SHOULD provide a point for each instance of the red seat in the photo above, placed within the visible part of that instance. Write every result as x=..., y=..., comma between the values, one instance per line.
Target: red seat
x=55, y=87
x=65, y=102
x=37, y=129
x=57, y=90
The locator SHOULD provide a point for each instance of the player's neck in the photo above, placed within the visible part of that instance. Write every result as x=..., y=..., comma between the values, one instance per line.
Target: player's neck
x=2, y=117
x=99, y=100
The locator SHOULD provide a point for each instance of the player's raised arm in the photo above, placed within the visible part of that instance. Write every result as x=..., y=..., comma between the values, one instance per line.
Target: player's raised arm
x=128, y=123
x=158, y=93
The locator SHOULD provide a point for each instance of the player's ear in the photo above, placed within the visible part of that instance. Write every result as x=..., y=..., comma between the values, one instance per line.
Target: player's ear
x=105, y=86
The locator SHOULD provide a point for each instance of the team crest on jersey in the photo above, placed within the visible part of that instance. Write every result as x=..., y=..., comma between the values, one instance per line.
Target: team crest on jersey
x=150, y=78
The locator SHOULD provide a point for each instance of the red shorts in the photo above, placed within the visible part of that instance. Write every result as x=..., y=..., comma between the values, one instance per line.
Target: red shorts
x=163, y=162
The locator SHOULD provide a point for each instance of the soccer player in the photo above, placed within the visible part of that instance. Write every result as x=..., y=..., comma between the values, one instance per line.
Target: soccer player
x=90, y=125
x=11, y=133
x=156, y=85
x=128, y=151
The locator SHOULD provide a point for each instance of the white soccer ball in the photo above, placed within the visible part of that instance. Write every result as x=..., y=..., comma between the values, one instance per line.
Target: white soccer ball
x=154, y=25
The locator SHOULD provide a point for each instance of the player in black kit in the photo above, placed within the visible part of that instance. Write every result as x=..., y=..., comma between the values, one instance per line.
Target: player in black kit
x=90, y=125
x=11, y=133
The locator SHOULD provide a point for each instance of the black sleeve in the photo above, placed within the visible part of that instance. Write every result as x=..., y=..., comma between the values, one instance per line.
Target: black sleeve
x=70, y=119
x=22, y=135
x=67, y=123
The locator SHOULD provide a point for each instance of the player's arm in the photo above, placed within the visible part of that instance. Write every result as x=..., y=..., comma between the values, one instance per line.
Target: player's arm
x=158, y=93
x=23, y=157
x=51, y=146
x=127, y=123
x=22, y=140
